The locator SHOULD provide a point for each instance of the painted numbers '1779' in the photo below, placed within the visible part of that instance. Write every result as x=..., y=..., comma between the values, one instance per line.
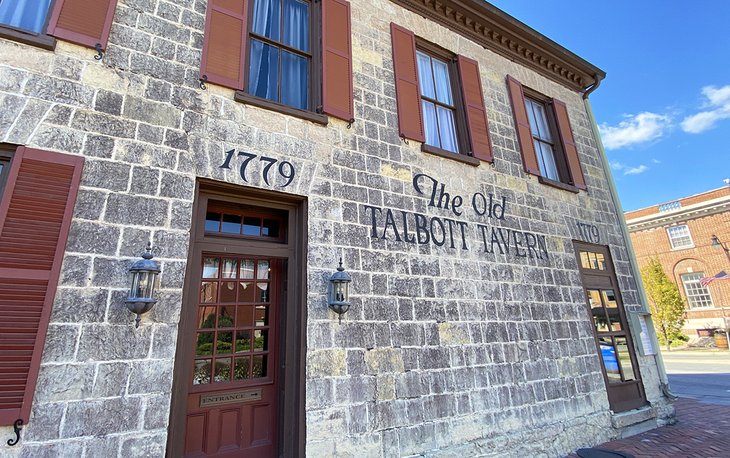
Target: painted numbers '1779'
x=285, y=168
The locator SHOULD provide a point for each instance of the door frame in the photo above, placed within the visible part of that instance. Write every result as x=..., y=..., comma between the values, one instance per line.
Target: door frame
x=293, y=313
x=617, y=405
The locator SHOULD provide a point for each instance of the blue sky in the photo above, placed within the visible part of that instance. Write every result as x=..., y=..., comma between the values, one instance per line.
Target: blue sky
x=664, y=107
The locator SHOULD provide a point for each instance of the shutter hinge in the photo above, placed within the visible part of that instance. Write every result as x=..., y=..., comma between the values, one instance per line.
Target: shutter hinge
x=99, y=53
x=17, y=427
x=350, y=123
x=319, y=109
x=203, y=80
x=405, y=140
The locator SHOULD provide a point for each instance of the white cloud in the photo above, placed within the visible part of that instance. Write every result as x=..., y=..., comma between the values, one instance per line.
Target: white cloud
x=656, y=161
x=635, y=129
x=635, y=170
x=616, y=165
x=718, y=104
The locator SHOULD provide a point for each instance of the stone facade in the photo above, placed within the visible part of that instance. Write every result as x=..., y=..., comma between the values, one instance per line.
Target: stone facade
x=445, y=351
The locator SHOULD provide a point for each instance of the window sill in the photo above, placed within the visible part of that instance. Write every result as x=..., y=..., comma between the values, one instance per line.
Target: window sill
x=249, y=99
x=29, y=38
x=558, y=184
x=689, y=247
x=449, y=155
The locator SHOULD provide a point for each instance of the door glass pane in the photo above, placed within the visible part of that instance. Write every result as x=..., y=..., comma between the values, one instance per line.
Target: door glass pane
x=263, y=289
x=243, y=341
x=252, y=226
x=267, y=18
x=246, y=269
x=584, y=262
x=260, y=340
x=597, y=310
x=264, y=72
x=204, y=345
x=229, y=268
x=222, y=370
x=201, y=373
x=609, y=298
x=296, y=24
x=246, y=292
x=206, y=317
x=224, y=343
x=271, y=228
x=228, y=291
x=244, y=316
x=259, y=366
x=210, y=268
x=262, y=316
x=294, y=80
x=212, y=221
x=263, y=270
x=225, y=317
x=610, y=360
x=243, y=368
x=231, y=224
x=625, y=358
x=208, y=292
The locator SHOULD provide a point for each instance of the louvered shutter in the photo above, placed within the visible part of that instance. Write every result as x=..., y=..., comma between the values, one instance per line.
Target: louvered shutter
x=524, y=135
x=476, y=114
x=224, y=43
x=85, y=22
x=337, y=59
x=35, y=215
x=407, y=93
x=568, y=141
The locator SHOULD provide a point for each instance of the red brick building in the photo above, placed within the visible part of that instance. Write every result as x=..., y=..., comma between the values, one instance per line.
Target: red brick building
x=691, y=238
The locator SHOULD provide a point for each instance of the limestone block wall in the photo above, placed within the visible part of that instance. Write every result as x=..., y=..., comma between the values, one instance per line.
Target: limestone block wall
x=445, y=350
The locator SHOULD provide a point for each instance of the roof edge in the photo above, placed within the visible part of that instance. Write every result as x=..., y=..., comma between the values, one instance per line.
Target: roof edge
x=497, y=31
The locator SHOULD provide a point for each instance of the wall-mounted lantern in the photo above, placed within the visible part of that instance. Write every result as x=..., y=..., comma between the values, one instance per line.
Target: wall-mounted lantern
x=143, y=277
x=339, y=293
x=718, y=245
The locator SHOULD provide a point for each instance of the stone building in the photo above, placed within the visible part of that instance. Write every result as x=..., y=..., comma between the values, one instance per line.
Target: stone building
x=691, y=239
x=444, y=151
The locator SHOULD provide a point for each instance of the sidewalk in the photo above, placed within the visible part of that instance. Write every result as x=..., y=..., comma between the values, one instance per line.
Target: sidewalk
x=702, y=431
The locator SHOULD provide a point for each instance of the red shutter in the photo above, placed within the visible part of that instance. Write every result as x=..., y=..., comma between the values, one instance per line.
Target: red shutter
x=35, y=215
x=566, y=137
x=224, y=43
x=86, y=22
x=407, y=92
x=524, y=134
x=337, y=59
x=476, y=114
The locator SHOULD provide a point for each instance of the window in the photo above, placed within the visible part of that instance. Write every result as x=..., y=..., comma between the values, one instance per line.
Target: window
x=545, y=137
x=293, y=56
x=280, y=58
x=697, y=295
x=36, y=22
x=679, y=237
x=5, y=157
x=542, y=137
x=29, y=15
x=437, y=102
x=439, y=98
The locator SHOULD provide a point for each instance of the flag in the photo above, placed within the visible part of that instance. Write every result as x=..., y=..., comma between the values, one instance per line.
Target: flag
x=704, y=281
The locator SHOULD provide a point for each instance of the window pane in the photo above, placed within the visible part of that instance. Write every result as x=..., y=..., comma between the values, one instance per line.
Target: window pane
x=271, y=228
x=212, y=222
x=228, y=291
x=443, y=85
x=530, y=107
x=447, y=129
x=225, y=317
x=539, y=117
x=430, y=124
x=264, y=72
x=680, y=237
x=229, y=268
x=210, y=268
x=609, y=298
x=610, y=360
x=597, y=310
x=246, y=269
x=425, y=75
x=252, y=226
x=27, y=15
x=296, y=24
x=231, y=224
x=546, y=158
x=294, y=80
x=222, y=370
x=267, y=18
x=208, y=292
x=201, y=374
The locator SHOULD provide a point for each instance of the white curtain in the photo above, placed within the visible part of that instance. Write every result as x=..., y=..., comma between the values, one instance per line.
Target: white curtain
x=447, y=129
x=443, y=85
x=430, y=124
x=24, y=14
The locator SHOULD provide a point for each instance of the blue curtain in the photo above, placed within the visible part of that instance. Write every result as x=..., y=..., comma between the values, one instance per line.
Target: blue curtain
x=24, y=14
x=296, y=24
x=267, y=19
x=264, y=73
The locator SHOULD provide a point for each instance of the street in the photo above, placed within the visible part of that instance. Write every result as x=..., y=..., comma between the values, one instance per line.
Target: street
x=701, y=375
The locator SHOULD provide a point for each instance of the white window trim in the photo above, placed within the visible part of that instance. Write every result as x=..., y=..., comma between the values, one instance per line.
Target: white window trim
x=687, y=295
x=689, y=235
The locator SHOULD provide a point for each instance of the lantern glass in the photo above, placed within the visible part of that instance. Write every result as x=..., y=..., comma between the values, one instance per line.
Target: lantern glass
x=342, y=293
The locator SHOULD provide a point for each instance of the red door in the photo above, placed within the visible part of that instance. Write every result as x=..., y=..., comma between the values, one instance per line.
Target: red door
x=232, y=397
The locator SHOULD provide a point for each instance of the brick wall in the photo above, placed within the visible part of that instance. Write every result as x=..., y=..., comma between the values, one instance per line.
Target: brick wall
x=461, y=351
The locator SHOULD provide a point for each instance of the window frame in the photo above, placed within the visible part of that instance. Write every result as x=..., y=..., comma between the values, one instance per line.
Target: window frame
x=462, y=135
x=314, y=111
x=41, y=40
x=6, y=158
x=561, y=162
x=695, y=286
x=672, y=239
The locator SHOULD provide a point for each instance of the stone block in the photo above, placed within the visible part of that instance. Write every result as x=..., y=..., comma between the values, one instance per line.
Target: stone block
x=381, y=360
x=135, y=210
x=102, y=342
x=150, y=376
x=61, y=340
x=177, y=186
x=146, y=445
x=110, y=273
x=156, y=412
x=66, y=382
x=105, y=175
x=53, y=138
x=326, y=363
x=98, y=146
x=89, y=237
x=111, y=380
x=103, y=123
x=45, y=422
x=73, y=305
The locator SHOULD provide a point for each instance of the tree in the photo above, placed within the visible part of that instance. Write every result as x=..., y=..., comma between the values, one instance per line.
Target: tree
x=667, y=305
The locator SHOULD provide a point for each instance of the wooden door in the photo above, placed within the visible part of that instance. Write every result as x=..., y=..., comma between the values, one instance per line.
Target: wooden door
x=610, y=328
x=232, y=397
